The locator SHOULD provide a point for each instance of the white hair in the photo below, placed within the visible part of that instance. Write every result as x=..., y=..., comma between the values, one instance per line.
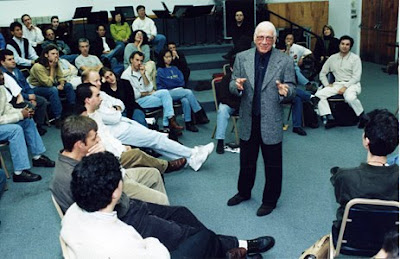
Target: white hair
x=267, y=26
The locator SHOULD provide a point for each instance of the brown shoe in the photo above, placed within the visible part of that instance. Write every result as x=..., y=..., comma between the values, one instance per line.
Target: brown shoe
x=173, y=124
x=175, y=165
x=236, y=253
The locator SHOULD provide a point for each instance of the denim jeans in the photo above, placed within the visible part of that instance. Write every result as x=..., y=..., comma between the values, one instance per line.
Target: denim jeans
x=20, y=135
x=224, y=113
x=113, y=56
x=52, y=94
x=158, y=42
x=297, y=112
x=157, y=99
x=188, y=100
x=3, y=181
x=70, y=58
x=301, y=79
x=138, y=116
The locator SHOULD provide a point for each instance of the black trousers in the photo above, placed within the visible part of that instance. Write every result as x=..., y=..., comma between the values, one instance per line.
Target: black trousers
x=272, y=155
x=178, y=229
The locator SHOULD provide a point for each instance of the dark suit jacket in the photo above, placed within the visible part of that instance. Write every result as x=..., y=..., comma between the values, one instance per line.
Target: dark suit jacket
x=97, y=45
x=280, y=67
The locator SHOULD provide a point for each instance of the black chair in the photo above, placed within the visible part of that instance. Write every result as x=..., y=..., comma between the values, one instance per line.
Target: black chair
x=364, y=225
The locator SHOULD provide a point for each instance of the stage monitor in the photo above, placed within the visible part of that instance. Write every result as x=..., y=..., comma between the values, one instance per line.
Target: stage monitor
x=82, y=12
x=127, y=11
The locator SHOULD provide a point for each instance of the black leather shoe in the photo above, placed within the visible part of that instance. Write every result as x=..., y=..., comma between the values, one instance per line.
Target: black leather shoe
x=314, y=101
x=236, y=253
x=264, y=210
x=41, y=130
x=43, y=161
x=260, y=245
x=330, y=124
x=26, y=176
x=220, y=146
x=235, y=200
x=190, y=127
x=300, y=131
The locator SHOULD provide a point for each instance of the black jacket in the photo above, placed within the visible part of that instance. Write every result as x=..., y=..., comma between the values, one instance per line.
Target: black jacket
x=96, y=46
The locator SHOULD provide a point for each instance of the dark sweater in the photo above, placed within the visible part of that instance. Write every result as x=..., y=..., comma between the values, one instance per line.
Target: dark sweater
x=224, y=95
x=365, y=181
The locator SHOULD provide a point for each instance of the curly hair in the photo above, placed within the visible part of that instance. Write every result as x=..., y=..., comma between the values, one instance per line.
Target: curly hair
x=382, y=130
x=94, y=180
x=145, y=37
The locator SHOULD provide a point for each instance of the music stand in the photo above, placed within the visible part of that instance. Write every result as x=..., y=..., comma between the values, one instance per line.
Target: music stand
x=83, y=13
x=100, y=17
x=127, y=11
x=162, y=14
x=196, y=11
x=179, y=10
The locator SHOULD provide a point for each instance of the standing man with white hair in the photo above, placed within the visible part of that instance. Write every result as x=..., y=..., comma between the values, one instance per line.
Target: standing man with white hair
x=264, y=78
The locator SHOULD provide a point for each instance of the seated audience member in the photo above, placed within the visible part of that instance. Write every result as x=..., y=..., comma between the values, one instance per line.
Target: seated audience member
x=70, y=73
x=346, y=68
x=142, y=22
x=86, y=61
x=120, y=30
x=145, y=95
x=63, y=49
x=228, y=104
x=60, y=32
x=176, y=227
x=31, y=32
x=24, y=54
x=241, y=35
x=106, y=49
x=91, y=227
x=140, y=43
x=25, y=92
x=17, y=127
x=2, y=41
x=129, y=132
x=298, y=52
x=48, y=81
x=374, y=179
x=171, y=78
x=297, y=110
x=179, y=60
x=325, y=46
x=390, y=247
x=122, y=90
x=80, y=138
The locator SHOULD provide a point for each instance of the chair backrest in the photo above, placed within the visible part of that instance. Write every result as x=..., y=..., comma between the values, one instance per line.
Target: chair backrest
x=226, y=68
x=364, y=224
x=58, y=208
x=214, y=84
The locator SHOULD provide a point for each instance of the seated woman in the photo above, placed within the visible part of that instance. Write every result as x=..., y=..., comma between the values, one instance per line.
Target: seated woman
x=325, y=46
x=122, y=89
x=120, y=30
x=171, y=78
x=139, y=42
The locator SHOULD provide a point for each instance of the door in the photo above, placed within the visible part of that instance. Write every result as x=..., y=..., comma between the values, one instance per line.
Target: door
x=378, y=30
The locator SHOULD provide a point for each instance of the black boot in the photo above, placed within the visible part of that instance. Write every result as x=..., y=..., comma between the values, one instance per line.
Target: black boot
x=220, y=146
x=190, y=127
x=201, y=117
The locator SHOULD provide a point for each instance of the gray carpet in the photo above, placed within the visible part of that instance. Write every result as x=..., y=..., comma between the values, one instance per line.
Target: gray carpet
x=30, y=224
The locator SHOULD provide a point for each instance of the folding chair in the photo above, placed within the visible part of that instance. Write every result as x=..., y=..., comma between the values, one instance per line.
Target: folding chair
x=364, y=224
x=215, y=83
x=57, y=206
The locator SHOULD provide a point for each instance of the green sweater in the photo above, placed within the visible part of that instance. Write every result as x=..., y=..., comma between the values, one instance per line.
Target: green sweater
x=120, y=32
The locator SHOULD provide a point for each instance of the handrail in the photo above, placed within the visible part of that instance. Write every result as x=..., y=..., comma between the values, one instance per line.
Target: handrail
x=295, y=24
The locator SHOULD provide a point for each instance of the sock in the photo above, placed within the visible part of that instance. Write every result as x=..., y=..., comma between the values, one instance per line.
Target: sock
x=36, y=157
x=18, y=172
x=243, y=243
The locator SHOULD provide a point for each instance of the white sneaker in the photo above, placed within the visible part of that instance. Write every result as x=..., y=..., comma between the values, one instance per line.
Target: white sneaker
x=209, y=147
x=198, y=158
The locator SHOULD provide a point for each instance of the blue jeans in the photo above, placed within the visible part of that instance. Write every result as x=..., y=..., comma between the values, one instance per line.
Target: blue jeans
x=158, y=42
x=188, y=100
x=20, y=135
x=51, y=94
x=297, y=111
x=118, y=51
x=301, y=79
x=138, y=116
x=224, y=113
x=157, y=99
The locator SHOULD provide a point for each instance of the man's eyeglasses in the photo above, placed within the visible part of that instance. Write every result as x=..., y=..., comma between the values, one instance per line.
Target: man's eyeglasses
x=267, y=38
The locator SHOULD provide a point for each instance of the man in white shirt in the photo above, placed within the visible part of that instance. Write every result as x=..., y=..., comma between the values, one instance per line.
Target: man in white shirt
x=146, y=24
x=108, y=116
x=31, y=32
x=24, y=54
x=90, y=227
x=86, y=61
x=346, y=68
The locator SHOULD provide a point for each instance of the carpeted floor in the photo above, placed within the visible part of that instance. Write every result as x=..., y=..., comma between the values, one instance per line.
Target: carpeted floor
x=30, y=224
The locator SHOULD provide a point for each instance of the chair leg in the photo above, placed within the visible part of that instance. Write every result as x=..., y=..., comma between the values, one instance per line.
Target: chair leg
x=214, y=131
x=3, y=165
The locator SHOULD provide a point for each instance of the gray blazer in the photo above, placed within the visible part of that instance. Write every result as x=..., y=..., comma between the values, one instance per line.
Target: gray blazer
x=280, y=67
